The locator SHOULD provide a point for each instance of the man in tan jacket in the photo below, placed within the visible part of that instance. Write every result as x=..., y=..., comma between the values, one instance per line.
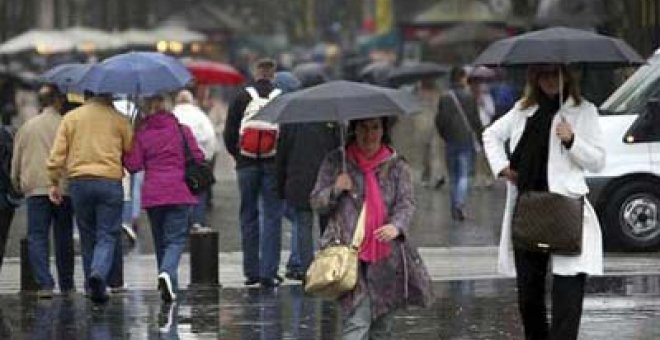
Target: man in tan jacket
x=29, y=176
x=87, y=152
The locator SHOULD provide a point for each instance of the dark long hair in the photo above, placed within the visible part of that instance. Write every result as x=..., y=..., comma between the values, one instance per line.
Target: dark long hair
x=387, y=139
x=533, y=91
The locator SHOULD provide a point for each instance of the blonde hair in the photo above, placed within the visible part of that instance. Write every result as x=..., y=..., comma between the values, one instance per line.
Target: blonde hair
x=533, y=91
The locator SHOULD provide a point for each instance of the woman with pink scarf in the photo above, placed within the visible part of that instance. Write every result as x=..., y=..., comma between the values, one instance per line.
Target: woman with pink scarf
x=391, y=273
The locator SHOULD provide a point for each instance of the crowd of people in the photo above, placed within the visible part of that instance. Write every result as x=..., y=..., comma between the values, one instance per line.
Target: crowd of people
x=72, y=168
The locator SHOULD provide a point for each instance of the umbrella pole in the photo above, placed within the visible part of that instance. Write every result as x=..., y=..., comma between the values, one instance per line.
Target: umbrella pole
x=342, y=142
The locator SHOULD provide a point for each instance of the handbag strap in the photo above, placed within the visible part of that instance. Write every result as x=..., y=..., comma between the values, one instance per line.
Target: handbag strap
x=186, y=147
x=358, y=234
x=463, y=115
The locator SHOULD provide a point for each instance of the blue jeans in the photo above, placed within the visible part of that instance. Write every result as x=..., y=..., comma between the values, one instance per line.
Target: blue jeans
x=41, y=214
x=460, y=158
x=98, y=208
x=302, y=244
x=261, y=221
x=198, y=214
x=169, y=228
x=116, y=275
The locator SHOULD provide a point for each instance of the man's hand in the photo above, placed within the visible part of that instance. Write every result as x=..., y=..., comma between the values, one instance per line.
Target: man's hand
x=55, y=195
x=386, y=233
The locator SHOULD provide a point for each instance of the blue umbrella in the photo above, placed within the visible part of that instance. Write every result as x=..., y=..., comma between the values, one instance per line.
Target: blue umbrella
x=65, y=76
x=136, y=74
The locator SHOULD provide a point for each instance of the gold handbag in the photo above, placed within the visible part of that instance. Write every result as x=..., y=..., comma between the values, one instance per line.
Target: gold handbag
x=334, y=270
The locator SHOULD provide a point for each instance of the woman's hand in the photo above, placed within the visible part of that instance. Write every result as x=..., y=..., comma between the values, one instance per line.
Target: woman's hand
x=510, y=175
x=343, y=183
x=386, y=233
x=564, y=131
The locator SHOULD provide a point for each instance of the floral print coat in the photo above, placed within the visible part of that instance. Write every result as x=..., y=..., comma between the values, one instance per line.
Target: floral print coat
x=399, y=280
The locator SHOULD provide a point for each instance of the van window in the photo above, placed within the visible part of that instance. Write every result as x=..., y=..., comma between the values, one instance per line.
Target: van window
x=631, y=97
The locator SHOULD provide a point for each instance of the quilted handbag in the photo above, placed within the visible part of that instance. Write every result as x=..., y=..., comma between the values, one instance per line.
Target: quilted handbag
x=334, y=270
x=548, y=222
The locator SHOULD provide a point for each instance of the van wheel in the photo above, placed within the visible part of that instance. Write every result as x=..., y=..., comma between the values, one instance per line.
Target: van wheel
x=632, y=216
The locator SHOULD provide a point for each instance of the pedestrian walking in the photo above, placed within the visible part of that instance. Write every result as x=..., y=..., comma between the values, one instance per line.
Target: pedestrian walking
x=8, y=195
x=458, y=124
x=390, y=271
x=301, y=149
x=87, y=151
x=29, y=175
x=553, y=144
x=158, y=149
x=252, y=144
x=199, y=123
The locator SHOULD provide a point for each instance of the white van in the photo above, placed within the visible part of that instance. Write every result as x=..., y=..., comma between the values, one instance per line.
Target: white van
x=626, y=193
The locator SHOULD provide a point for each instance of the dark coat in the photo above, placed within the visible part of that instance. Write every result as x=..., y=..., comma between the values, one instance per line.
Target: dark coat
x=399, y=280
x=451, y=125
x=300, y=151
x=233, y=123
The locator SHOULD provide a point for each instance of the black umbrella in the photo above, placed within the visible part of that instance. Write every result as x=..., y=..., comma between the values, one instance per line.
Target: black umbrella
x=376, y=73
x=338, y=101
x=310, y=74
x=414, y=71
x=559, y=45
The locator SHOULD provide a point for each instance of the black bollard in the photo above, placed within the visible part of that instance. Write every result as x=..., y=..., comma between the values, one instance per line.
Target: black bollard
x=28, y=283
x=204, y=259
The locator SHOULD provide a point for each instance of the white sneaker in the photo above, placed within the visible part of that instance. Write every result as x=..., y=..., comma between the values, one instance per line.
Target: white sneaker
x=165, y=287
x=128, y=230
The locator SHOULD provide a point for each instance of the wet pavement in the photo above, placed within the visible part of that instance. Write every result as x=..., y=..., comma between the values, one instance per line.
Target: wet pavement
x=618, y=308
x=474, y=302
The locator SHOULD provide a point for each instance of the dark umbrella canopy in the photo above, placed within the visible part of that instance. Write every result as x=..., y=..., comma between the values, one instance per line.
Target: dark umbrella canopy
x=65, y=76
x=310, y=74
x=339, y=101
x=559, y=45
x=414, y=71
x=376, y=73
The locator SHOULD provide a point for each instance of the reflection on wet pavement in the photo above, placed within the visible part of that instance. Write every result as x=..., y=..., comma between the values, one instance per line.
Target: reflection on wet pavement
x=616, y=307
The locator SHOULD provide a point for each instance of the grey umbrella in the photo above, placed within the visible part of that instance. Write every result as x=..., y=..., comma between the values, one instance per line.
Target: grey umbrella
x=311, y=73
x=559, y=45
x=376, y=73
x=414, y=71
x=338, y=101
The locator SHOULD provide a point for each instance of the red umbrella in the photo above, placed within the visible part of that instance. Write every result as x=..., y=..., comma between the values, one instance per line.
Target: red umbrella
x=214, y=73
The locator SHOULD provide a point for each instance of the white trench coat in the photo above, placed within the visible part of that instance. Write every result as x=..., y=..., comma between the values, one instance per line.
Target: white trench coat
x=565, y=176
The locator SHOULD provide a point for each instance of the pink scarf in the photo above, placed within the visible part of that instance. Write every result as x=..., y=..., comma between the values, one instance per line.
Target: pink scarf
x=371, y=250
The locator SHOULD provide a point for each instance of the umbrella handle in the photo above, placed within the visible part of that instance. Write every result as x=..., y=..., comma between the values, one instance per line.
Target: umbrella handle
x=342, y=146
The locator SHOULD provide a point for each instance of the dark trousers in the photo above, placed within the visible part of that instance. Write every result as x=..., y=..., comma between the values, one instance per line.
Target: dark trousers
x=6, y=215
x=567, y=295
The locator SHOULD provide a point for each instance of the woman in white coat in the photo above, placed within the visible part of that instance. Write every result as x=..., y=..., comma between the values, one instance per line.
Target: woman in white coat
x=551, y=147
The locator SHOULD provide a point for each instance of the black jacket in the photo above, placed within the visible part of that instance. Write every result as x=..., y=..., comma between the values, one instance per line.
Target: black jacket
x=451, y=125
x=300, y=151
x=233, y=123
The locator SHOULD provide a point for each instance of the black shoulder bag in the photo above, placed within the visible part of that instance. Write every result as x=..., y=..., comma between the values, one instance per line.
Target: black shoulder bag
x=198, y=175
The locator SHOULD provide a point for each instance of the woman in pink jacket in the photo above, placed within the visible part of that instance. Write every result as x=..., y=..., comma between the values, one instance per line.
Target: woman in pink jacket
x=158, y=149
